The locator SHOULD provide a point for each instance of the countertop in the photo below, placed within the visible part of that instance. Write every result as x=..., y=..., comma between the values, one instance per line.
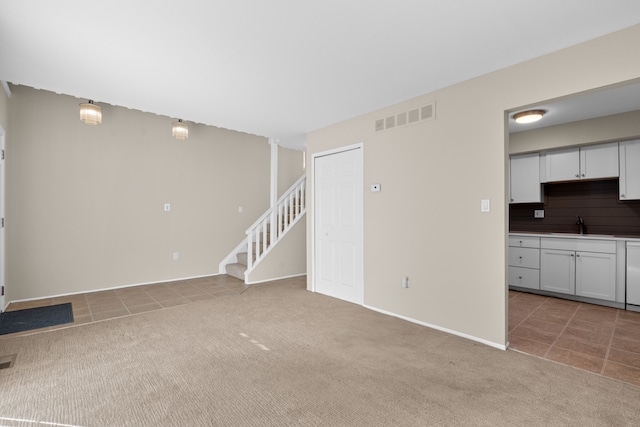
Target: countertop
x=574, y=236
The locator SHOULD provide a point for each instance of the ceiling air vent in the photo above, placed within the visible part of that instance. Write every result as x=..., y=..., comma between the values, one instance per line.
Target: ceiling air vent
x=426, y=112
x=412, y=116
x=390, y=122
x=401, y=119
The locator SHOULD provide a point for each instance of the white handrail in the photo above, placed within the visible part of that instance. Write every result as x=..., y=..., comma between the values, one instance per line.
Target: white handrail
x=274, y=223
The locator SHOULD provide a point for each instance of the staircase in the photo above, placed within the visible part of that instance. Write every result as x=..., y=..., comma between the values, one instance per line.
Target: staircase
x=237, y=269
x=260, y=239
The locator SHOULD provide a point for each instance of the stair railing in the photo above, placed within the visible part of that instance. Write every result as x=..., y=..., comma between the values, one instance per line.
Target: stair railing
x=263, y=235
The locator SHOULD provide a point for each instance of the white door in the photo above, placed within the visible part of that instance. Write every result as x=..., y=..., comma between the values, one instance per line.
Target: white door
x=338, y=235
x=2, y=251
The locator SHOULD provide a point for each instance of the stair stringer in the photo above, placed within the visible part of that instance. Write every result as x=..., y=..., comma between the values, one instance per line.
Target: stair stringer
x=286, y=258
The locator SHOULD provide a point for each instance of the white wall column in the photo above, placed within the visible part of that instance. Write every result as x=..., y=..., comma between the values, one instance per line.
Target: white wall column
x=274, y=172
x=274, y=187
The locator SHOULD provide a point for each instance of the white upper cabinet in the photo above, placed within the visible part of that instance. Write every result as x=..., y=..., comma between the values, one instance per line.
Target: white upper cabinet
x=525, y=178
x=599, y=161
x=589, y=162
x=630, y=170
x=562, y=165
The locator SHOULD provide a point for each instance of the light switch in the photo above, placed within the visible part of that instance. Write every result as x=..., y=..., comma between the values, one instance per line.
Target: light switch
x=538, y=213
x=485, y=205
x=375, y=188
x=167, y=207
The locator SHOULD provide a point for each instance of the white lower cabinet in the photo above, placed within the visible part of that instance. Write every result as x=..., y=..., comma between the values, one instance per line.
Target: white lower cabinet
x=596, y=275
x=524, y=277
x=558, y=271
x=579, y=272
x=524, y=262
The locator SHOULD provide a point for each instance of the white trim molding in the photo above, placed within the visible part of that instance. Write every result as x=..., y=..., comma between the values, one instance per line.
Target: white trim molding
x=439, y=328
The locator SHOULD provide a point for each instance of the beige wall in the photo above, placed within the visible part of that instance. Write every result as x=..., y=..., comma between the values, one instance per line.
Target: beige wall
x=603, y=129
x=85, y=203
x=426, y=222
x=287, y=176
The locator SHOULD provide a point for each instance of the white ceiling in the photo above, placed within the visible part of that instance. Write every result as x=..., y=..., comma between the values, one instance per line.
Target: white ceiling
x=603, y=102
x=281, y=68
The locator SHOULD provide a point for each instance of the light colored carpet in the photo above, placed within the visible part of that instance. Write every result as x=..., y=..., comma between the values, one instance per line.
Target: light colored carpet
x=279, y=355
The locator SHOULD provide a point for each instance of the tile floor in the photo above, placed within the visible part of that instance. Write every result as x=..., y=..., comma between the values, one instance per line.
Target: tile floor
x=599, y=339
x=102, y=305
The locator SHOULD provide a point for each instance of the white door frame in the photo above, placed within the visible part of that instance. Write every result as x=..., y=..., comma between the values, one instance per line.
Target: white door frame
x=359, y=146
x=2, y=228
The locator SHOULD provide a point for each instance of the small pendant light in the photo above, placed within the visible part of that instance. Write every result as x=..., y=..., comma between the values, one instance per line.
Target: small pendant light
x=180, y=130
x=90, y=113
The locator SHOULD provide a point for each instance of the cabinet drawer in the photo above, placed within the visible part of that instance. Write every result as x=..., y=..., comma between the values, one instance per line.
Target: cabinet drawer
x=524, y=242
x=524, y=257
x=524, y=277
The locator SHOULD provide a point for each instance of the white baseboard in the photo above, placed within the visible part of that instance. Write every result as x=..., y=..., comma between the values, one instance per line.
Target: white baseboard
x=439, y=328
x=276, y=278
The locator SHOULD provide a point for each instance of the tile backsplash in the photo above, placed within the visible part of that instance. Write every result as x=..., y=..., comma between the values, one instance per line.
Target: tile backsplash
x=596, y=202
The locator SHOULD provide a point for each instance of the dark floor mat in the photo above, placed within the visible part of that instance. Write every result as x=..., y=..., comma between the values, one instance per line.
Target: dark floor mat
x=35, y=318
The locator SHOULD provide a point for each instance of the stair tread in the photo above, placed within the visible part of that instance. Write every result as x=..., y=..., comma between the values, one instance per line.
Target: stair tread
x=236, y=270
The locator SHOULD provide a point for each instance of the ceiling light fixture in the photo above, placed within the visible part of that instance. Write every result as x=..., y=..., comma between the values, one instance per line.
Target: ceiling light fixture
x=180, y=130
x=90, y=113
x=529, y=116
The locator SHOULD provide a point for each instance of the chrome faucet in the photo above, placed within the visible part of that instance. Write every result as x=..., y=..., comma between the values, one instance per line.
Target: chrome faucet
x=580, y=223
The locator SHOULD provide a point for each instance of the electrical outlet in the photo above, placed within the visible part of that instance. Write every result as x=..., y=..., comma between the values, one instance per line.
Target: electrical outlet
x=176, y=256
x=405, y=282
x=538, y=213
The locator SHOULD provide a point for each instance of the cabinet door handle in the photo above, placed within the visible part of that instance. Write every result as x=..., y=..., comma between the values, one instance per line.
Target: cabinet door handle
x=583, y=175
x=571, y=255
x=578, y=256
x=577, y=175
x=622, y=196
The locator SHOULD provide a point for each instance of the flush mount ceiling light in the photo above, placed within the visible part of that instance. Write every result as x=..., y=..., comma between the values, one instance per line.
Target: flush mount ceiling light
x=90, y=113
x=180, y=130
x=529, y=116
